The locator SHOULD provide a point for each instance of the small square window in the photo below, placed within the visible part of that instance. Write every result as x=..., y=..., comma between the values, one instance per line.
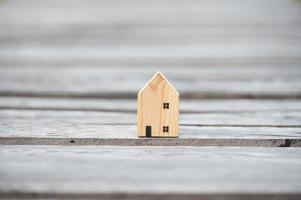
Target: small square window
x=165, y=129
x=165, y=105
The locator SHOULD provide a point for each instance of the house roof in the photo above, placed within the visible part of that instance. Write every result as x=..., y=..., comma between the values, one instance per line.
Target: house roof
x=161, y=75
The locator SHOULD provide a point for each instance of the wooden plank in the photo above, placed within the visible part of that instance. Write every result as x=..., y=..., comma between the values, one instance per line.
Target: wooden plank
x=28, y=128
x=166, y=12
x=150, y=11
x=217, y=65
x=116, y=119
x=154, y=52
x=97, y=82
x=260, y=119
x=110, y=34
x=58, y=170
x=159, y=23
x=102, y=128
x=222, y=70
x=130, y=106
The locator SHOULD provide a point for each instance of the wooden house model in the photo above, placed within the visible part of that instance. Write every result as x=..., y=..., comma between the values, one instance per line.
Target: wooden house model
x=158, y=109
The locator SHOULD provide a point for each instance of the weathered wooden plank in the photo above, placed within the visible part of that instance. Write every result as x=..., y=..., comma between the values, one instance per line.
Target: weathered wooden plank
x=57, y=170
x=258, y=129
x=137, y=34
x=216, y=65
x=21, y=125
x=23, y=128
x=127, y=105
x=107, y=23
x=276, y=119
x=154, y=52
x=220, y=70
x=116, y=23
x=98, y=82
x=71, y=12
x=151, y=11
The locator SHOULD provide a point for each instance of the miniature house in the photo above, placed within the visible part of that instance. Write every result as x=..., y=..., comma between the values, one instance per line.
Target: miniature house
x=158, y=109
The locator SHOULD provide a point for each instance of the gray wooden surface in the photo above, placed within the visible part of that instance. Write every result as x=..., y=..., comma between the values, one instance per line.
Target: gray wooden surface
x=70, y=71
x=124, y=82
x=44, y=170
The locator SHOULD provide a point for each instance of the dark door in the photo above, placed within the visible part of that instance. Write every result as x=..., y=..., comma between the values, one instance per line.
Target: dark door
x=148, y=131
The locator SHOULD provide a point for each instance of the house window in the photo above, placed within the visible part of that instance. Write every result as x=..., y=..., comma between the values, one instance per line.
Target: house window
x=165, y=129
x=165, y=105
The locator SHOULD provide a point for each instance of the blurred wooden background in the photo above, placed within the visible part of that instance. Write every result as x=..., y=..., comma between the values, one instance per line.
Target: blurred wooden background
x=69, y=76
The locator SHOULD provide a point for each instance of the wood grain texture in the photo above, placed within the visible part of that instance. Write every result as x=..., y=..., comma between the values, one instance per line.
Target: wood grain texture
x=78, y=124
x=96, y=82
x=167, y=170
x=130, y=106
x=243, y=119
x=71, y=69
x=116, y=23
x=152, y=113
x=81, y=129
x=68, y=55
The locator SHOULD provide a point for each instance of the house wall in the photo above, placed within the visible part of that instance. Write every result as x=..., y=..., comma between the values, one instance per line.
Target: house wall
x=151, y=112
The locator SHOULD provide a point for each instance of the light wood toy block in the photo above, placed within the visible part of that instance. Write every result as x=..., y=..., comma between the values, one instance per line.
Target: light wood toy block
x=158, y=109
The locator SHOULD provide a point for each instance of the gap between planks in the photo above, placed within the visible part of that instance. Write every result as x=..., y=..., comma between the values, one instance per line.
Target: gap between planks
x=123, y=110
x=197, y=95
x=234, y=142
x=147, y=196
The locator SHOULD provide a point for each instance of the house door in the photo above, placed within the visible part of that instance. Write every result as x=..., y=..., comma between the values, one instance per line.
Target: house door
x=148, y=131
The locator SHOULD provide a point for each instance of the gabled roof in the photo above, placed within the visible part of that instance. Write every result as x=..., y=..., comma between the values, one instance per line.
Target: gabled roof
x=162, y=76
